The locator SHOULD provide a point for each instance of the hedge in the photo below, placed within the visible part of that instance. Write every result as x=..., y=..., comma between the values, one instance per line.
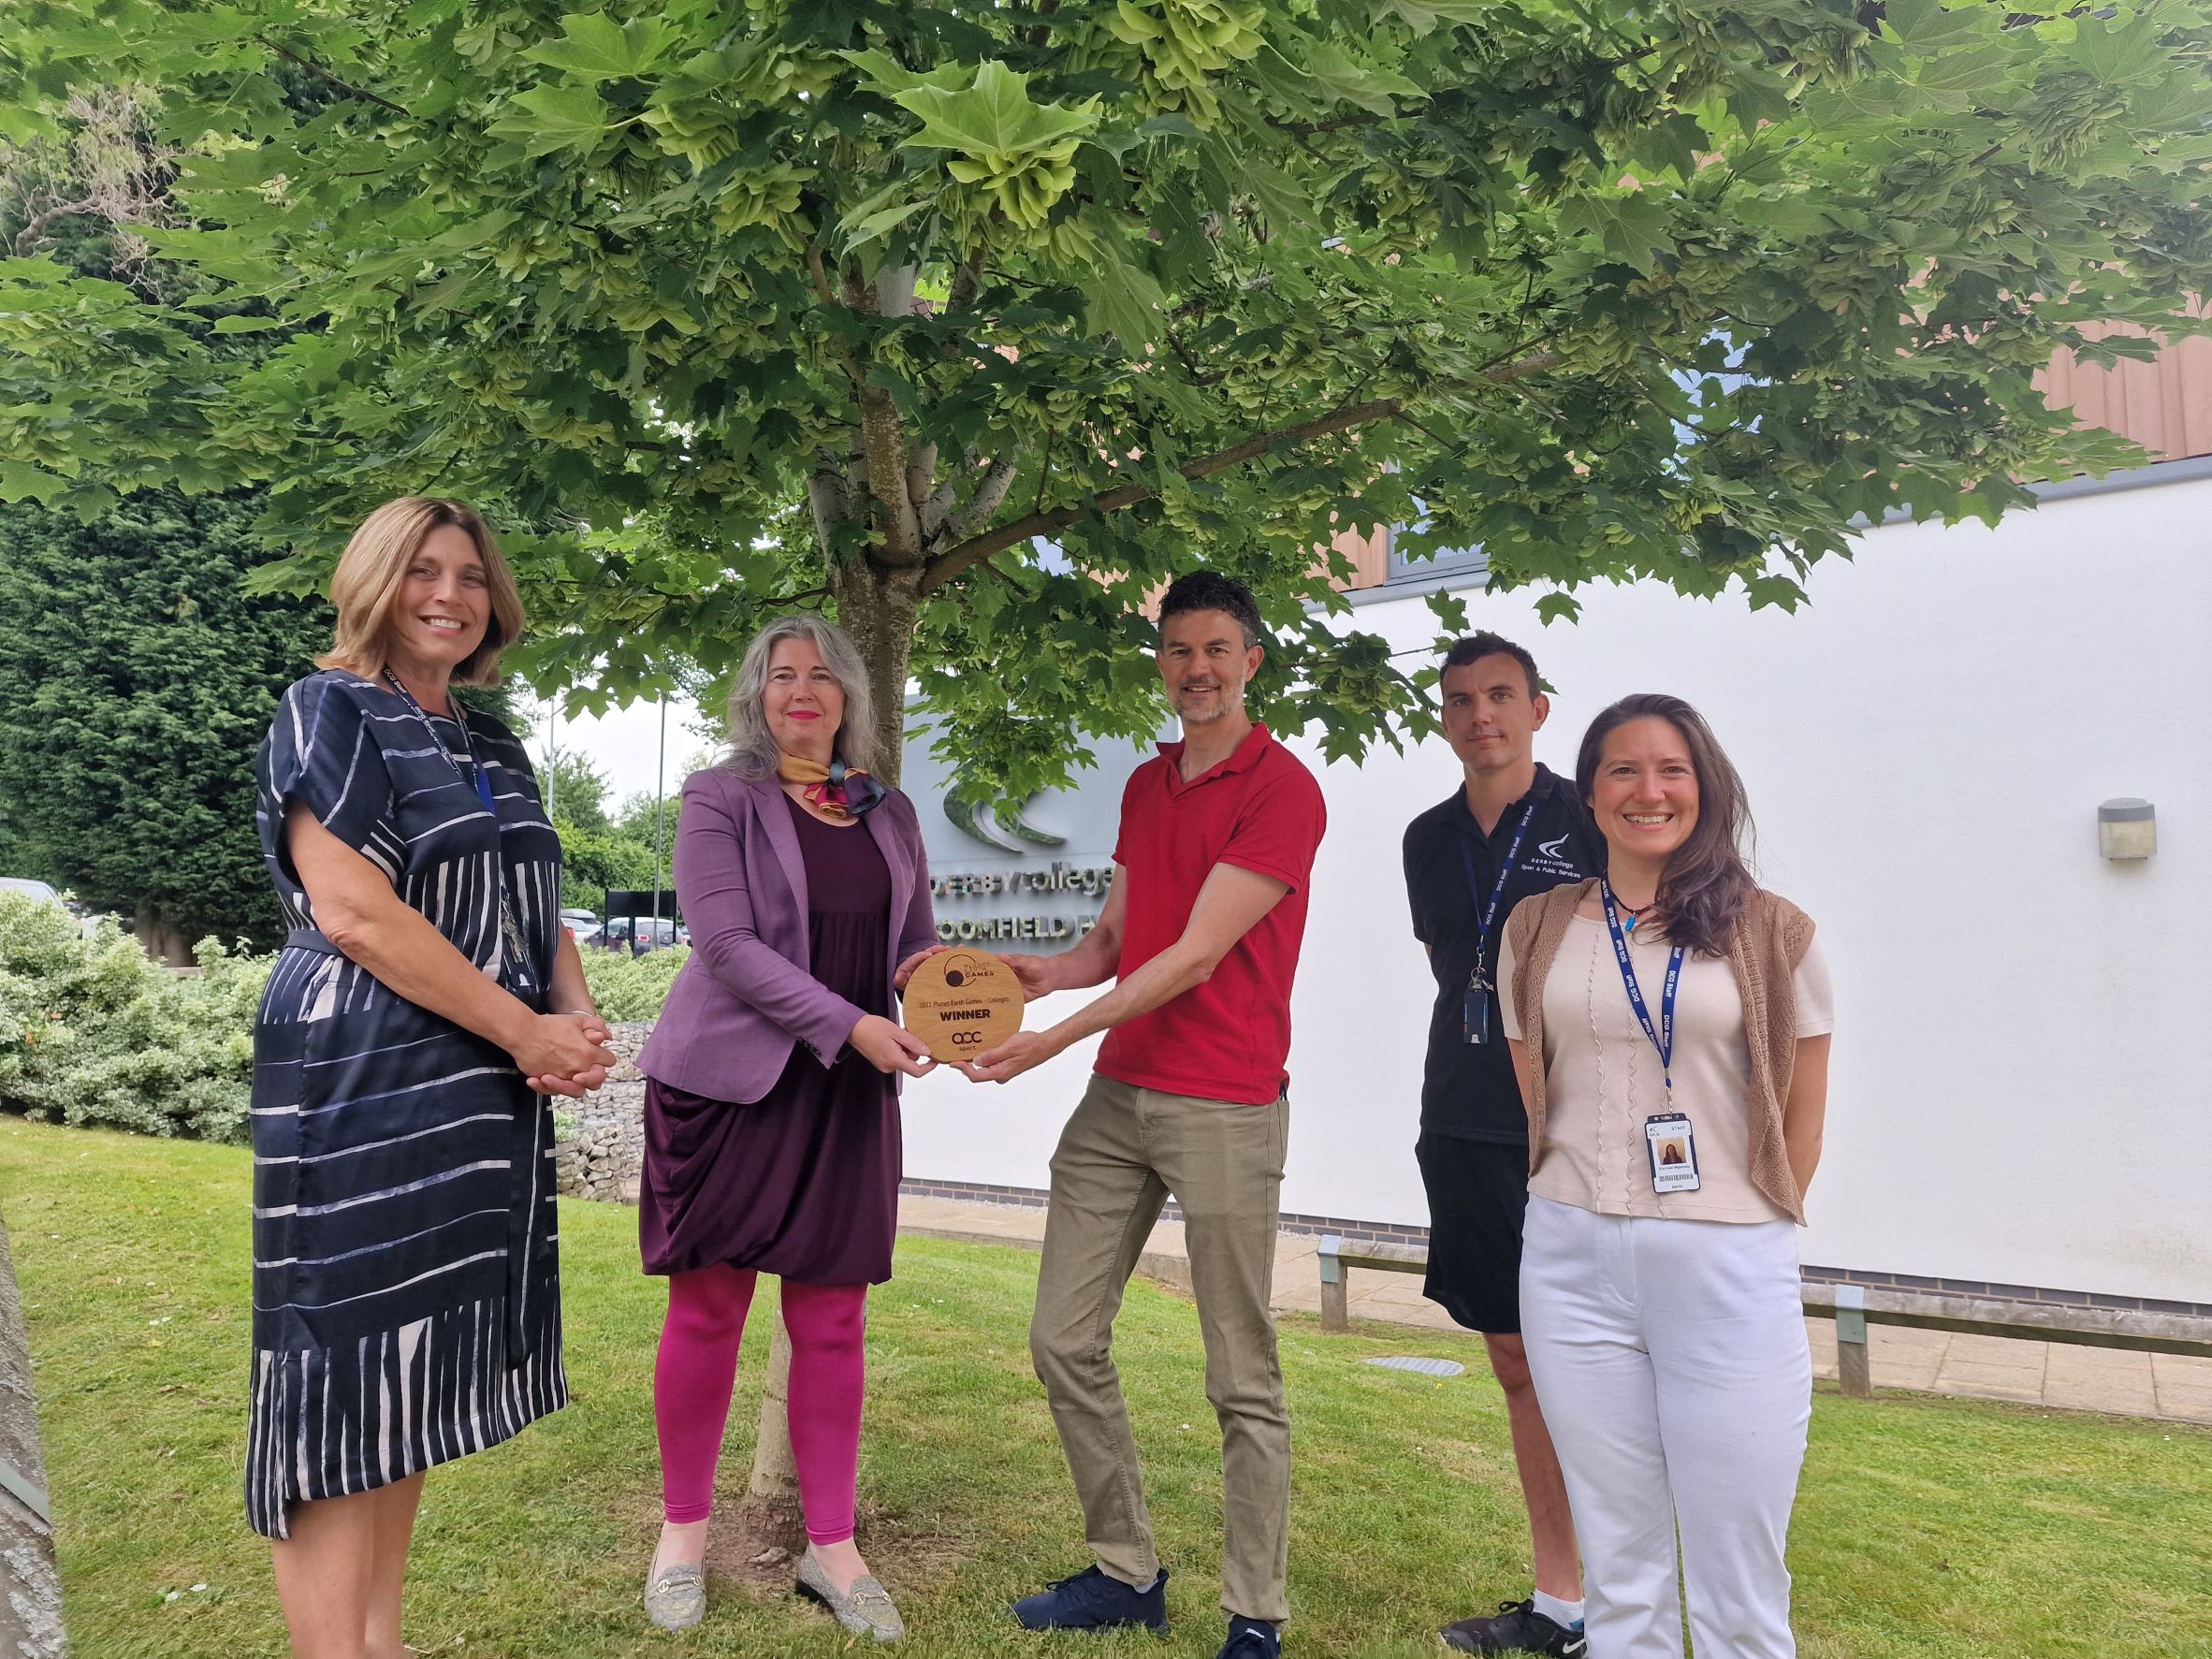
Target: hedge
x=93, y=1031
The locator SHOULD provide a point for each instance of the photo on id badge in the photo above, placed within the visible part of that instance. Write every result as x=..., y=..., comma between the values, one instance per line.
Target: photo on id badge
x=1673, y=1146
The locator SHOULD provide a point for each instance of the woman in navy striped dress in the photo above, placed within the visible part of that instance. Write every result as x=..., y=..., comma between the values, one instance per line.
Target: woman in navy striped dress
x=406, y=1288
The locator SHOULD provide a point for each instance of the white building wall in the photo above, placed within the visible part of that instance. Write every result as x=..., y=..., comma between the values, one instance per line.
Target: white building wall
x=2025, y=1029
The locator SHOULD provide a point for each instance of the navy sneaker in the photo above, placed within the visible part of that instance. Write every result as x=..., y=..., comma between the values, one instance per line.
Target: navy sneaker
x=1250, y=1639
x=1095, y=1600
x=1517, y=1627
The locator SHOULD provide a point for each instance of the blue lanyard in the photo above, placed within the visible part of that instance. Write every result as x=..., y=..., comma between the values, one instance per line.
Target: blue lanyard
x=1662, y=1035
x=1486, y=915
x=468, y=744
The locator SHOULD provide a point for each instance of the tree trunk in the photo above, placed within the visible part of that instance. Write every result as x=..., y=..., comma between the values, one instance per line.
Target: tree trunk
x=876, y=607
x=161, y=942
x=768, y=1527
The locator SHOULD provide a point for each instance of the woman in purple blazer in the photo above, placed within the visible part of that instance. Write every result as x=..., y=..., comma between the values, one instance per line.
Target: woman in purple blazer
x=771, y=1117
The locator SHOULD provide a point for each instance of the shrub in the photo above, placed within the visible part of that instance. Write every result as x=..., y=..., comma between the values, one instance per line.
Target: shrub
x=92, y=1031
x=629, y=987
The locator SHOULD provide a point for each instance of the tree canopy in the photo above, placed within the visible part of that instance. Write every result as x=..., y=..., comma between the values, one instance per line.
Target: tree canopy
x=971, y=322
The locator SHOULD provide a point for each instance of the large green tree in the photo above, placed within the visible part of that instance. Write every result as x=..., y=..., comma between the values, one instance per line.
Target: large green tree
x=847, y=304
x=137, y=681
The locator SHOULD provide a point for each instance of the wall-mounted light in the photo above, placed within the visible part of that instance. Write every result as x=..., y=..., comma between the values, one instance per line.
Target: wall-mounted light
x=2127, y=828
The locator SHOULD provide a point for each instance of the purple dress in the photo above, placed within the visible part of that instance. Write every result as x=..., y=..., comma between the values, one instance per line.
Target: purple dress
x=802, y=1183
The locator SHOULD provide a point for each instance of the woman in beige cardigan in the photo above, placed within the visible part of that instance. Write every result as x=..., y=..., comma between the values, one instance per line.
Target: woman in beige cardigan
x=1670, y=1023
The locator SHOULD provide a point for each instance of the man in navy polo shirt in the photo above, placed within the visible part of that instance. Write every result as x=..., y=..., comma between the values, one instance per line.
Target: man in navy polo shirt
x=1200, y=931
x=1509, y=829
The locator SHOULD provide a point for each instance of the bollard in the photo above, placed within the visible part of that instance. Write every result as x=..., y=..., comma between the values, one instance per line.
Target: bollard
x=1855, y=1366
x=1335, y=1314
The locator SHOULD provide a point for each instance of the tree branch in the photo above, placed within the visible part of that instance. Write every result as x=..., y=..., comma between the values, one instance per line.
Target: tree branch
x=967, y=282
x=989, y=494
x=344, y=86
x=951, y=563
x=822, y=289
x=827, y=488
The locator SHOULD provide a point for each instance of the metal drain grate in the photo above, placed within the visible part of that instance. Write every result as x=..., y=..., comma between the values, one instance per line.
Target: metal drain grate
x=1425, y=1367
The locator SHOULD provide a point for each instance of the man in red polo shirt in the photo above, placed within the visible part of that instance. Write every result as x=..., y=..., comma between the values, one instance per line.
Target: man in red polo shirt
x=1200, y=931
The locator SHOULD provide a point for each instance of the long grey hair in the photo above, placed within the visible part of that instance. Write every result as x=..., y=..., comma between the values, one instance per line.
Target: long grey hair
x=753, y=750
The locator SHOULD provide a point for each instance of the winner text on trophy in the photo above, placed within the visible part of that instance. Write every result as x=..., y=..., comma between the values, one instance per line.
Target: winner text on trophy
x=963, y=1003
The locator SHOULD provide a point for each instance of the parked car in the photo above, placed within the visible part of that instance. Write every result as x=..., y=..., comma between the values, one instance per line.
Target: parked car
x=583, y=926
x=639, y=934
x=31, y=887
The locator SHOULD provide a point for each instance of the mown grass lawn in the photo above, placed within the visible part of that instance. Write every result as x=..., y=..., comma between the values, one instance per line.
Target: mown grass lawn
x=1927, y=1526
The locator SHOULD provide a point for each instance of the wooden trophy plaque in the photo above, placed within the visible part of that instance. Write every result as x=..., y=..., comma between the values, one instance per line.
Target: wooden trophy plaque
x=963, y=1003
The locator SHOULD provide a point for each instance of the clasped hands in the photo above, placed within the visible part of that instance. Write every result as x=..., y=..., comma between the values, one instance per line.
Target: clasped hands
x=565, y=1054
x=889, y=1046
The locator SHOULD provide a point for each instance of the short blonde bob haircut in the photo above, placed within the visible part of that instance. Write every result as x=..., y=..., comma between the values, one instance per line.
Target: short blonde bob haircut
x=372, y=571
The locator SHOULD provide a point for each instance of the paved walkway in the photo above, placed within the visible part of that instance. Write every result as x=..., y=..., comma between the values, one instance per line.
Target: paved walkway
x=2061, y=1374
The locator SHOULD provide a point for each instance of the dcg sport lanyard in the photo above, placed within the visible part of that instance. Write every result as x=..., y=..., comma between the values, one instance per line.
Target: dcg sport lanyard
x=510, y=930
x=1662, y=1034
x=1486, y=913
x=475, y=769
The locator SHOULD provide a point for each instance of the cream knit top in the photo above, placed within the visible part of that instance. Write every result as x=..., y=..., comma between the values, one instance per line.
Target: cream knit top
x=1598, y=1075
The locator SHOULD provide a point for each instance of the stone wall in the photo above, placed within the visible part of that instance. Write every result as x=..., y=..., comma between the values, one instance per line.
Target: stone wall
x=600, y=1154
x=31, y=1606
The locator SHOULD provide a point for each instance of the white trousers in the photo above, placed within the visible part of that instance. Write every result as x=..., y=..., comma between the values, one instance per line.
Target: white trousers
x=1671, y=1363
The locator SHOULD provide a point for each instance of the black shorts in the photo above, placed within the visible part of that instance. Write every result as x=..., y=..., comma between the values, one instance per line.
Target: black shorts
x=1477, y=1197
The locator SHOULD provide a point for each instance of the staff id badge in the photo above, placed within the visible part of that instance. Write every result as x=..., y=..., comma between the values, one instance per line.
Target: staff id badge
x=1474, y=1009
x=1674, y=1153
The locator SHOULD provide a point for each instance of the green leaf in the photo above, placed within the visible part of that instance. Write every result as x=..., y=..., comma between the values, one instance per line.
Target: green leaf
x=1558, y=607
x=858, y=233
x=1422, y=16
x=247, y=324
x=1929, y=25
x=1121, y=300
x=1341, y=81
x=1172, y=125
x=2118, y=56
x=995, y=117
x=551, y=117
x=1673, y=144
x=1632, y=226
x=1956, y=78
x=881, y=73
x=21, y=483
x=596, y=47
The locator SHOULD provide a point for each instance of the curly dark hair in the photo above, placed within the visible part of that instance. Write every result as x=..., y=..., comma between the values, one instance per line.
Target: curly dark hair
x=1210, y=591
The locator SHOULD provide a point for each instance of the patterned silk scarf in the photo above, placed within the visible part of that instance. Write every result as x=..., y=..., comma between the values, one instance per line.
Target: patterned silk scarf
x=835, y=790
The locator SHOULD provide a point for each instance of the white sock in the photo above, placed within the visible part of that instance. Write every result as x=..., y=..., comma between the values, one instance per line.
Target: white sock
x=1567, y=1615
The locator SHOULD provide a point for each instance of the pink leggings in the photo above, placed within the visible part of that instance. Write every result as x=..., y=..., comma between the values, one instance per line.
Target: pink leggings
x=698, y=1366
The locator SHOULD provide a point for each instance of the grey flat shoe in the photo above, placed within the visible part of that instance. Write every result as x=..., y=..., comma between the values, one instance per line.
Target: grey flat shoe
x=865, y=1609
x=676, y=1600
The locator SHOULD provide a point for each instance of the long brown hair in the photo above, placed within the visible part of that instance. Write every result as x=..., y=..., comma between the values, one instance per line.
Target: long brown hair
x=1708, y=879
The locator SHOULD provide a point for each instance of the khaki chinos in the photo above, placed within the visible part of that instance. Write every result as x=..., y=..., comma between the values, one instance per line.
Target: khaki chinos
x=1124, y=1151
